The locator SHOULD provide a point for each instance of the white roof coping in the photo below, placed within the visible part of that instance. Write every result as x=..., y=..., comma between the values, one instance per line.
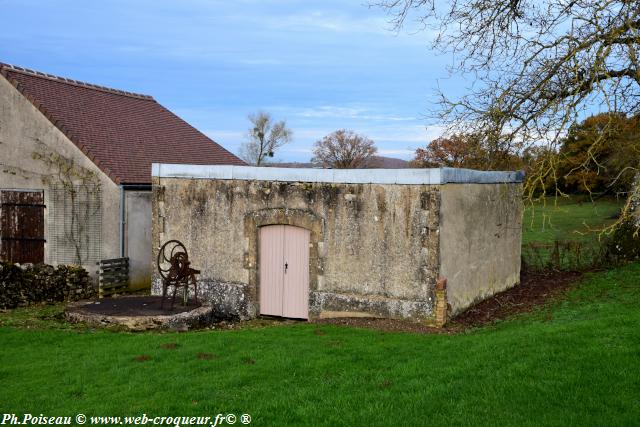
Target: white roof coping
x=346, y=176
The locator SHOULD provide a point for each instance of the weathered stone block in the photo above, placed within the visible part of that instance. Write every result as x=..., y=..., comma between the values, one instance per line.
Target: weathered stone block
x=329, y=304
x=229, y=300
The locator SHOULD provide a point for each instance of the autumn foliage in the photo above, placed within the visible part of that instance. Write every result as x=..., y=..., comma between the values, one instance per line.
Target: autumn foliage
x=466, y=151
x=600, y=155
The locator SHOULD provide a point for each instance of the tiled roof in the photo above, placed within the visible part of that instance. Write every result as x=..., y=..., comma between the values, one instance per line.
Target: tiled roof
x=121, y=132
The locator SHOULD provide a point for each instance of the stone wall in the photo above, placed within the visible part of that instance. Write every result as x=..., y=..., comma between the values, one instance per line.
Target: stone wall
x=42, y=283
x=374, y=248
x=481, y=237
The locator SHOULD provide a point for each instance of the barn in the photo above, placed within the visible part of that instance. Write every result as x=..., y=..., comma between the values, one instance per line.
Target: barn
x=420, y=244
x=75, y=170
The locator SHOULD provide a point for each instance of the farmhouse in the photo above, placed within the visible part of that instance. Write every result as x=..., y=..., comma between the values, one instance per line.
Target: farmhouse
x=75, y=169
x=309, y=243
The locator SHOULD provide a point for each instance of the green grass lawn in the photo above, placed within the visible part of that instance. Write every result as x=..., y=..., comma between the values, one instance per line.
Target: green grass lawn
x=568, y=219
x=573, y=362
x=576, y=223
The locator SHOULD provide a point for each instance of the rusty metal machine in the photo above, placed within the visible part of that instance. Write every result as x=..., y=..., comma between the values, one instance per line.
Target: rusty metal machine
x=175, y=269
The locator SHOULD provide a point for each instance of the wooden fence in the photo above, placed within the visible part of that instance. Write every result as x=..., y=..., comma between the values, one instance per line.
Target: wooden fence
x=113, y=277
x=562, y=255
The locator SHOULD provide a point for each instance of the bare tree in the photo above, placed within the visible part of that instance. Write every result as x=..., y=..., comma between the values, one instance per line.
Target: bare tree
x=537, y=66
x=344, y=149
x=264, y=138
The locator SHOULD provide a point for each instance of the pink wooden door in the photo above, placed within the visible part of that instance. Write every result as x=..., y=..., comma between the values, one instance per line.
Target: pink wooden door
x=296, y=274
x=271, y=269
x=284, y=271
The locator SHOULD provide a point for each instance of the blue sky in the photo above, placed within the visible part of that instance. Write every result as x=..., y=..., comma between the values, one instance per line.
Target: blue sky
x=321, y=65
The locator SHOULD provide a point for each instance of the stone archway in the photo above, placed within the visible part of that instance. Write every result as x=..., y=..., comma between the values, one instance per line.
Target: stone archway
x=281, y=216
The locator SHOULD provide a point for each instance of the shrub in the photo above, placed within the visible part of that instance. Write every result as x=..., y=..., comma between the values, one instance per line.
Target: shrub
x=623, y=244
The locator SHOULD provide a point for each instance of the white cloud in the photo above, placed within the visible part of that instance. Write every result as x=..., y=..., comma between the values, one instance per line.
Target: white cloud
x=324, y=21
x=434, y=131
x=297, y=150
x=397, y=134
x=232, y=134
x=361, y=113
x=261, y=61
x=312, y=134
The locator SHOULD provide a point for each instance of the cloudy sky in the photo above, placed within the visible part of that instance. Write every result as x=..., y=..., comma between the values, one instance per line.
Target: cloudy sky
x=321, y=65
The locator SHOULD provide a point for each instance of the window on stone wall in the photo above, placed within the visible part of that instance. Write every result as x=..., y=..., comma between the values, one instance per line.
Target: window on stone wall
x=75, y=224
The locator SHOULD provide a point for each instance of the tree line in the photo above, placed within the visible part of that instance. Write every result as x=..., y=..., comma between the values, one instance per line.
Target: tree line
x=598, y=156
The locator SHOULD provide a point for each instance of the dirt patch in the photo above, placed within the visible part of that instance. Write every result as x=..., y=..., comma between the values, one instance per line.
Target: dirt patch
x=535, y=289
x=142, y=358
x=385, y=384
x=169, y=346
x=390, y=325
x=206, y=356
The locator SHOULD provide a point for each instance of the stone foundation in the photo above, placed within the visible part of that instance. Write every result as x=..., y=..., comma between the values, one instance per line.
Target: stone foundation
x=328, y=304
x=199, y=317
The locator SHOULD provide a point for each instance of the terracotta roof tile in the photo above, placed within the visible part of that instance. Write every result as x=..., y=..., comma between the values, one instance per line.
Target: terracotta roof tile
x=122, y=132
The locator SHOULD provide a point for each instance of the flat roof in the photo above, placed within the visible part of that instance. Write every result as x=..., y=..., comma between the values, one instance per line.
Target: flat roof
x=345, y=176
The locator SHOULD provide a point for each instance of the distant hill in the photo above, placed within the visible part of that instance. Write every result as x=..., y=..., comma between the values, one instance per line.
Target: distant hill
x=290, y=165
x=377, y=162
x=383, y=162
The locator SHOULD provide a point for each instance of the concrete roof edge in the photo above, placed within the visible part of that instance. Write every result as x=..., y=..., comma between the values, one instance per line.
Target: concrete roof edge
x=472, y=176
x=346, y=176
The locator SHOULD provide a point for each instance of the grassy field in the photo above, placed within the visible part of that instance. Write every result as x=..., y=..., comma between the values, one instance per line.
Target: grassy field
x=575, y=223
x=574, y=362
x=568, y=219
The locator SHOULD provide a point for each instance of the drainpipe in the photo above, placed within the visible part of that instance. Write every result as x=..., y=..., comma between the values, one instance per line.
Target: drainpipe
x=122, y=224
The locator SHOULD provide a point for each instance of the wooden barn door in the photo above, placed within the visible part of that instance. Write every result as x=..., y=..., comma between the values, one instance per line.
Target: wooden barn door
x=22, y=226
x=284, y=271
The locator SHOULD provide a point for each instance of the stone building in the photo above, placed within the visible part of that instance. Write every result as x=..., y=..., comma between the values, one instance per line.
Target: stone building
x=75, y=169
x=310, y=243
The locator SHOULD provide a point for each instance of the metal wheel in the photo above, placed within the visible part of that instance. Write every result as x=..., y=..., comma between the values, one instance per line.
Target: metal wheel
x=173, y=261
